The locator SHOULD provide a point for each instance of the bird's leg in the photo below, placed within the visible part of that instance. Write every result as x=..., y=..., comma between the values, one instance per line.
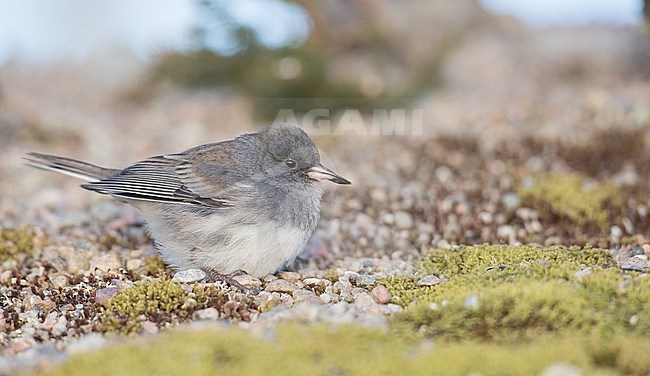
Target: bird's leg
x=226, y=278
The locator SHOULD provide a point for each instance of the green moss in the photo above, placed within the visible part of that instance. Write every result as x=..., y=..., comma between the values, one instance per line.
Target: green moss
x=164, y=302
x=508, y=262
x=493, y=264
x=152, y=300
x=156, y=266
x=14, y=241
x=352, y=350
x=508, y=293
x=566, y=196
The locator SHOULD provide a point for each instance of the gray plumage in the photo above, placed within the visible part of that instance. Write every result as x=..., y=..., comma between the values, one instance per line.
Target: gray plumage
x=245, y=204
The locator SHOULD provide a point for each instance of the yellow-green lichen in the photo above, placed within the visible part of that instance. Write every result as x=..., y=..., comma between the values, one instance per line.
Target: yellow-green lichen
x=155, y=265
x=146, y=300
x=511, y=293
x=507, y=262
x=164, y=302
x=14, y=241
x=568, y=196
x=294, y=349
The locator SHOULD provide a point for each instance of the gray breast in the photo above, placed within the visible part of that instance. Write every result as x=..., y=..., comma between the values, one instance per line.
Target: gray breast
x=298, y=205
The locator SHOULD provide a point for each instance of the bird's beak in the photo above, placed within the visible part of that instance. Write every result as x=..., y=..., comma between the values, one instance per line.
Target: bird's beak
x=320, y=172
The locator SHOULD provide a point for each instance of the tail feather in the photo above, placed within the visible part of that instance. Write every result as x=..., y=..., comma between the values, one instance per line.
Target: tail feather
x=81, y=170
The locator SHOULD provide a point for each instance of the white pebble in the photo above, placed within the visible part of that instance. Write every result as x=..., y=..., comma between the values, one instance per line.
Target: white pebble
x=189, y=276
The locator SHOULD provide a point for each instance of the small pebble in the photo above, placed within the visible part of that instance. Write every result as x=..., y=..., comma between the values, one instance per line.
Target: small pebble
x=364, y=301
x=105, y=262
x=301, y=296
x=102, y=296
x=329, y=298
x=316, y=282
x=76, y=261
x=189, y=276
x=59, y=280
x=561, y=369
x=634, y=319
x=357, y=290
x=61, y=327
x=350, y=276
x=50, y=320
x=206, y=314
x=646, y=248
x=403, y=220
x=149, y=327
x=510, y=200
x=247, y=280
x=311, y=273
x=635, y=264
x=552, y=240
x=363, y=280
x=134, y=264
x=189, y=303
x=380, y=294
x=507, y=232
x=292, y=277
x=637, y=251
x=429, y=280
x=471, y=302
x=121, y=283
x=35, y=302
x=341, y=287
x=268, y=278
x=281, y=285
x=485, y=217
x=5, y=276
x=580, y=275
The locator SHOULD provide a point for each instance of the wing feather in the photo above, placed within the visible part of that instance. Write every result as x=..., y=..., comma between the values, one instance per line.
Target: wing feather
x=154, y=179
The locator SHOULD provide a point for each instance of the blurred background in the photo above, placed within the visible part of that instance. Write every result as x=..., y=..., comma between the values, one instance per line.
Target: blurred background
x=115, y=82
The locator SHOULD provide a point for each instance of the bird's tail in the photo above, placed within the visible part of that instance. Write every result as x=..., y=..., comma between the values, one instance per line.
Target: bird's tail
x=67, y=166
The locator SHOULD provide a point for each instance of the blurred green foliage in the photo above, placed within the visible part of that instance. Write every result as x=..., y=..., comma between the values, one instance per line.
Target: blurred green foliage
x=275, y=76
x=254, y=72
x=568, y=196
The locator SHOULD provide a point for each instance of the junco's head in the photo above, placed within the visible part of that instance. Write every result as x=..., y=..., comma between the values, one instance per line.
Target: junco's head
x=288, y=153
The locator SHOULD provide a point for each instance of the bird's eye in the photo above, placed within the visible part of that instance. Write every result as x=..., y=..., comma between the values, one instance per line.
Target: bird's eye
x=290, y=163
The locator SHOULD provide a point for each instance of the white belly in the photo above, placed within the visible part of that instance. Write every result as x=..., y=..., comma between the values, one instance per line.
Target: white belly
x=223, y=244
x=258, y=250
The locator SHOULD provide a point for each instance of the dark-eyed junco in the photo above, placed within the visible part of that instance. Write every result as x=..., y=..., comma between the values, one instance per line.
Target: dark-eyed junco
x=245, y=204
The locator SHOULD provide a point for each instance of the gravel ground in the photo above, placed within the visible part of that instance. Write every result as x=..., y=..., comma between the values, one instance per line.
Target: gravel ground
x=459, y=183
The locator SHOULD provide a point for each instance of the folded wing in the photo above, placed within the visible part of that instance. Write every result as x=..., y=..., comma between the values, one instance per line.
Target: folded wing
x=155, y=179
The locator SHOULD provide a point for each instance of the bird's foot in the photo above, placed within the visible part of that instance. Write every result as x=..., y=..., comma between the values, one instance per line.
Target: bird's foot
x=227, y=278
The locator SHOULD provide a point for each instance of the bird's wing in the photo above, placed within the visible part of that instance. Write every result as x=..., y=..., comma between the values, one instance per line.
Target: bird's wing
x=211, y=171
x=155, y=179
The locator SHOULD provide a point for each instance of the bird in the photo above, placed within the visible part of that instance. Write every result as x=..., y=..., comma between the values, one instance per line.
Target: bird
x=247, y=204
